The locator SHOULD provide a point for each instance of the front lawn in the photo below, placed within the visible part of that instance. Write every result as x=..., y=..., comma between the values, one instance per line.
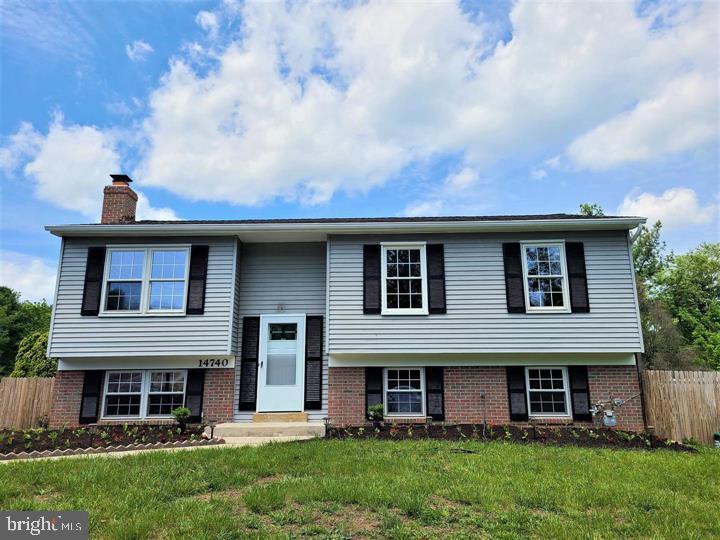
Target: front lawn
x=380, y=488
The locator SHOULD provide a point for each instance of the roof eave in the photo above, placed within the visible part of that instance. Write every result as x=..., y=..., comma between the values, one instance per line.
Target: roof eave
x=231, y=229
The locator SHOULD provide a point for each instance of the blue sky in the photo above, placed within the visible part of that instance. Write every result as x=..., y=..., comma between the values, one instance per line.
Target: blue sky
x=253, y=110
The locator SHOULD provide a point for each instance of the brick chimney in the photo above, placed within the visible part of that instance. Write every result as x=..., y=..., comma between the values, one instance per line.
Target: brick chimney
x=120, y=201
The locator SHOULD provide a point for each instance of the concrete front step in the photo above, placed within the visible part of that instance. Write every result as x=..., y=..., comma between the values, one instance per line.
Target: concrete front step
x=280, y=417
x=270, y=429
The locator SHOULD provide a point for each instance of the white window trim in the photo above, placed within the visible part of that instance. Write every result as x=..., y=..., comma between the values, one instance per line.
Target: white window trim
x=144, y=310
x=566, y=390
x=144, y=393
x=422, y=392
x=105, y=393
x=565, y=308
x=383, y=278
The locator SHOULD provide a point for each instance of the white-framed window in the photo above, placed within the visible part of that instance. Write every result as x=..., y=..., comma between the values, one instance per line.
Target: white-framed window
x=404, y=279
x=145, y=280
x=143, y=393
x=404, y=391
x=123, y=394
x=165, y=392
x=546, y=287
x=547, y=391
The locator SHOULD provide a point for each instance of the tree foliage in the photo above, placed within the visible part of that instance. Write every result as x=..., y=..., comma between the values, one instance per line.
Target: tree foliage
x=591, y=209
x=649, y=253
x=689, y=286
x=31, y=360
x=17, y=320
x=665, y=346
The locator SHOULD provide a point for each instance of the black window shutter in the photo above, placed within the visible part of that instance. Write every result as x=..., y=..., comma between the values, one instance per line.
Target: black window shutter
x=517, y=394
x=575, y=253
x=436, y=278
x=91, y=395
x=194, y=394
x=373, y=387
x=196, y=280
x=371, y=279
x=580, y=393
x=514, y=279
x=434, y=403
x=94, y=271
x=313, y=362
x=249, y=364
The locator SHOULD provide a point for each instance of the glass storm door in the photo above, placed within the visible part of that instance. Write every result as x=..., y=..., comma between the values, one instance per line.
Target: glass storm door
x=281, y=374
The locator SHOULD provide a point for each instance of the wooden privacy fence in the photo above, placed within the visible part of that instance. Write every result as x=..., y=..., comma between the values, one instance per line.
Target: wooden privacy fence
x=24, y=400
x=683, y=404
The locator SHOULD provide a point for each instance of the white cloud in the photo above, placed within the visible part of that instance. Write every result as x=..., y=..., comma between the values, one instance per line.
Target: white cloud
x=34, y=278
x=145, y=211
x=424, y=208
x=23, y=143
x=461, y=192
x=462, y=179
x=538, y=174
x=70, y=166
x=138, y=50
x=208, y=21
x=51, y=27
x=683, y=116
x=676, y=207
x=315, y=99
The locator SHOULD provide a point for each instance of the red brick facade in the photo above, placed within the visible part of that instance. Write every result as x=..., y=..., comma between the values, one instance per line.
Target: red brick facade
x=346, y=395
x=218, y=398
x=219, y=395
x=474, y=394
x=618, y=382
x=67, y=392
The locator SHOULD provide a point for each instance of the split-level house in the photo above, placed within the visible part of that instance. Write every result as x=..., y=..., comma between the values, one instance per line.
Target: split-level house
x=495, y=319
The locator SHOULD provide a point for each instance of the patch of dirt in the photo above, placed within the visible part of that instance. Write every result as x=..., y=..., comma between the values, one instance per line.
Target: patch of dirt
x=45, y=497
x=269, y=479
x=441, y=503
x=350, y=519
x=232, y=493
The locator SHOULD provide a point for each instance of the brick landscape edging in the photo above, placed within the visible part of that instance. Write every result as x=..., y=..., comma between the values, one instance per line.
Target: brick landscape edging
x=108, y=449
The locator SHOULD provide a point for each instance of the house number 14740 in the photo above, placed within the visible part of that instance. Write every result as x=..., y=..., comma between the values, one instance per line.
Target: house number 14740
x=213, y=362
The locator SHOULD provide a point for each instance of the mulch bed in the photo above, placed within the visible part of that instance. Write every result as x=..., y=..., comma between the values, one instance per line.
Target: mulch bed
x=39, y=440
x=593, y=437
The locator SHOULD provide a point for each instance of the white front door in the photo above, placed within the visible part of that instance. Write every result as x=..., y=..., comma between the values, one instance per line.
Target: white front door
x=281, y=374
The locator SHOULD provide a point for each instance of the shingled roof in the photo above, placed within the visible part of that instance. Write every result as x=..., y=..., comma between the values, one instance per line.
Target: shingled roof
x=518, y=217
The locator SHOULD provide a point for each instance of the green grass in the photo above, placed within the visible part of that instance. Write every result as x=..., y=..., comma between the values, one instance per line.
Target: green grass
x=381, y=488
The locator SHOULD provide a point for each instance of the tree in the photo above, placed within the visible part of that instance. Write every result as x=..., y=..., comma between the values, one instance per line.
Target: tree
x=690, y=289
x=648, y=252
x=665, y=346
x=17, y=320
x=591, y=209
x=31, y=360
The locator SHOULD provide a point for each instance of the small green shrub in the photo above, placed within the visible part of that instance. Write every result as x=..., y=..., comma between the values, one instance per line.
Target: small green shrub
x=181, y=415
x=376, y=412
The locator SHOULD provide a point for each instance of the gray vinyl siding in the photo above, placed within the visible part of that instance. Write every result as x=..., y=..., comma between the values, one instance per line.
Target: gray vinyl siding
x=282, y=278
x=236, y=320
x=477, y=319
x=73, y=335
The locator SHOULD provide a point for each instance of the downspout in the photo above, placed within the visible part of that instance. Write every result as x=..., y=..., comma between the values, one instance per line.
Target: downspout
x=638, y=356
